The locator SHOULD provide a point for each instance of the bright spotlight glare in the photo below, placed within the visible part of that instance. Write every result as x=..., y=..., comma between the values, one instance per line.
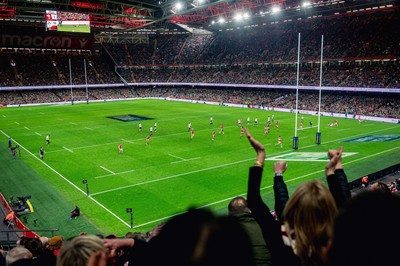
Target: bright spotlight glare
x=221, y=20
x=178, y=6
x=306, y=4
x=238, y=16
x=276, y=9
x=200, y=2
x=246, y=15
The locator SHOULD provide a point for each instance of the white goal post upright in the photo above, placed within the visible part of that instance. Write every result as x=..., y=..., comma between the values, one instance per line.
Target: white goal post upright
x=296, y=138
x=70, y=82
x=318, y=135
x=87, y=92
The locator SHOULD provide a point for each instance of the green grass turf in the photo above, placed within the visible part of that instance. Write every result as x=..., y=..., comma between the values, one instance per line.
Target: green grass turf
x=169, y=175
x=72, y=28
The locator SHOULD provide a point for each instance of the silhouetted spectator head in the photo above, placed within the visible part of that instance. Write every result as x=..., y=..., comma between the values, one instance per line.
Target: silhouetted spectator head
x=238, y=205
x=380, y=186
x=35, y=246
x=76, y=251
x=309, y=216
x=197, y=237
x=2, y=257
x=55, y=244
x=19, y=255
x=364, y=232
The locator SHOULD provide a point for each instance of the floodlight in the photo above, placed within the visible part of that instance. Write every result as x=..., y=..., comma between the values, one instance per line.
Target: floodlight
x=276, y=9
x=306, y=4
x=221, y=20
x=178, y=6
x=238, y=16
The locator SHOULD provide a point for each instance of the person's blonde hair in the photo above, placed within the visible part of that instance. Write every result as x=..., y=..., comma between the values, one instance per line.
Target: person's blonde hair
x=77, y=251
x=309, y=216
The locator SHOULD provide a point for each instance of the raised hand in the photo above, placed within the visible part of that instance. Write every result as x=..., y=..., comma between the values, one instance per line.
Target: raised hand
x=335, y=161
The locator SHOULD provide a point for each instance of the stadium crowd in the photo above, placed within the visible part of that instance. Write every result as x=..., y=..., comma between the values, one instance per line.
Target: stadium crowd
x=360, y=50
x=379, y=105
x=315, y=225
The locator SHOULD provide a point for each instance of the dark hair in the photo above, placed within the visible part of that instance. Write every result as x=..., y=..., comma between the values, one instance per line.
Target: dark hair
x=198, y=237
x=359, y=230
x=238, y=205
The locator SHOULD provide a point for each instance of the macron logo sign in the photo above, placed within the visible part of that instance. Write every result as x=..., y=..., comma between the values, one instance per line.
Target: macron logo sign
x=45, y=41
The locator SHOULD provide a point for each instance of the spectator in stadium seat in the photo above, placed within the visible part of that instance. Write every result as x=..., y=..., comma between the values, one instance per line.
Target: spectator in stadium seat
x=55, y=244
x=196, y=237
x=18, y=256
x=237, y=208
x=365, y=233
x=380, y=186
x=308, y=215
x=2, y=257
x=77, y=250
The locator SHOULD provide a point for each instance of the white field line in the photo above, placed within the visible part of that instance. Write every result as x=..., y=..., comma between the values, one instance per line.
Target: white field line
x=218, y=166
x=69, y=182
x=129, y=141
x=68, y=149
x=180, y=158
x=263, y=188
x=42, y=113
x=186, y=160
x=72, y=123
x=118, y=173
x=107, y=170
x=89, y=128
x=307, y=127
x=4, y=116
x=37, y=133
x=128, y=225
x=27, y=128
x=17, y=123
x=343, y=129
x=368, y=125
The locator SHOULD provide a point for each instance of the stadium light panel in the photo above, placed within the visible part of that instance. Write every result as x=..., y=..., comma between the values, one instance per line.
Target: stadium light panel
x=306, y=4
x=275, y=9
x=178, y=6
x=238, y=17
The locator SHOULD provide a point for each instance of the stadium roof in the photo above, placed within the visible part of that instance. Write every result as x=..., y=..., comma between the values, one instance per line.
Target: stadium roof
x=134, y=15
